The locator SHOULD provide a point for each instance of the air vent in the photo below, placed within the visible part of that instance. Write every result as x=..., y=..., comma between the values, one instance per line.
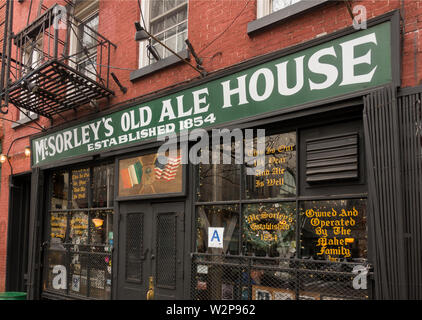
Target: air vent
x=332, y=158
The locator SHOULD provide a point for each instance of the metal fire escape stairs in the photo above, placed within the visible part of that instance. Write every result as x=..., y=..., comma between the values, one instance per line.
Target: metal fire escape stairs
x=39, y=70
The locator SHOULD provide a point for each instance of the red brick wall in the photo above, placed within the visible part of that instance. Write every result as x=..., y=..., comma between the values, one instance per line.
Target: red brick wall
x=207, y=20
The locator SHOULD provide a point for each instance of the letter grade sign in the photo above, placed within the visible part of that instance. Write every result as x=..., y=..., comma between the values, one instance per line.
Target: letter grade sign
x=345, y=65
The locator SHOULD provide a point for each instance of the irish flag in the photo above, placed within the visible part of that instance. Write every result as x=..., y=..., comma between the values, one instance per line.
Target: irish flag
x=131, y=175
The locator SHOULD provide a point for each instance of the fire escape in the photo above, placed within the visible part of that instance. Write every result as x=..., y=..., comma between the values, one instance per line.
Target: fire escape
x=41, y=65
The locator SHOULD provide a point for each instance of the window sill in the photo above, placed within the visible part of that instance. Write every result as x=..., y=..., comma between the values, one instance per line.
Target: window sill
x=283, y=14
x=21, y=122
x=159, y=65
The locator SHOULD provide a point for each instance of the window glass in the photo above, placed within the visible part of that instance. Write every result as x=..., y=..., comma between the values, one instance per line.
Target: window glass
x=219, y=182
x=89, y=29
x=281, y=4
x=168, y=23
x=270, y=229
x=103, y=186
x=55, y=271
x=58, y=227
x=334, y=230
x=78, y=256
x=277, y=178
x=79, y=227
x=60, y=190
x=210, y=217
x=101, y=227
x=87, y=47
x=80, y=188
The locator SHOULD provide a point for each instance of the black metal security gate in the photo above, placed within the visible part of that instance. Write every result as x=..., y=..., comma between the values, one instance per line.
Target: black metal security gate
x=393, y=140
x=410, y=121
x=262, y=278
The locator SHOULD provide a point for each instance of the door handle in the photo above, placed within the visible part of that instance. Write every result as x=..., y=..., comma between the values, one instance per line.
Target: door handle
x=150, y=292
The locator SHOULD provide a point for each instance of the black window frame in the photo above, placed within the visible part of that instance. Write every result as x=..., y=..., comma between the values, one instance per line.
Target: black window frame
x=49, y=293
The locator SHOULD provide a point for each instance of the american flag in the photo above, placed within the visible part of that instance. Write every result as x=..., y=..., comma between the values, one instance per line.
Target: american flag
x=166, y=167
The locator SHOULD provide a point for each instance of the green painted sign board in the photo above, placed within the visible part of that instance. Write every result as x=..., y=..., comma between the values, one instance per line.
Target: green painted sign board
x=347, y=64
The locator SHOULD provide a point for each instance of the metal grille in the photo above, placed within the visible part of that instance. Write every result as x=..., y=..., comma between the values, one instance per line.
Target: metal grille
x=385, y=199
x=43, y=79
x=134, y=246
x=216, y=277
x=410, y=120
x=166, y=250
x=80, y=271
x=332, y=158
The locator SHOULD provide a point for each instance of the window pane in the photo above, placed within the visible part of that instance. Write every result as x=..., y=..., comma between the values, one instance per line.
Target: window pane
x=101, y=228
x=334, y=230
x=55, y=272
x=170, y=33
x=88, y=67
x=270, y=229
x=181, y=37
x=169, y=4
x=171, y=43
x=157, y=8
x=226, y=217
x=78, y=233
x=170, y=20
x=99, y=276
x=58, y=227
x=219, y=182
x=160, y=50
x=182, y=15
x=78, y=274
x=281, y=4
x=89, y=28
x=157, y=27
x=278, y=178
x=103, y=186
x=80, y=188
x=59, y=197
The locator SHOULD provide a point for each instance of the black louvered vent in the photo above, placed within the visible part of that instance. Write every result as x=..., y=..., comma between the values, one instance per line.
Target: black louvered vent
x=332, y=158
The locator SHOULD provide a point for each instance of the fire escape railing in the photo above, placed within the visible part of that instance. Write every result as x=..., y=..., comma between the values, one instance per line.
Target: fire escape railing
x=44, y=63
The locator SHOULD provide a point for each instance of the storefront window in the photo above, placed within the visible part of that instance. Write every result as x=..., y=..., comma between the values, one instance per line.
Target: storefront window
x=277, y=178
x=334, y=230
x=79, y=227
x=78, y=252
x=219, y=182
x=278, y=242
x=218, y=229
x=103, y=186
x=270, y=229
x=80, y=188
x=60, y=190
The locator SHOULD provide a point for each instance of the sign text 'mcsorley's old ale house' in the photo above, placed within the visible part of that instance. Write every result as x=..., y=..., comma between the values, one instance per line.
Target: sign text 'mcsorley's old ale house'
x=135, y=114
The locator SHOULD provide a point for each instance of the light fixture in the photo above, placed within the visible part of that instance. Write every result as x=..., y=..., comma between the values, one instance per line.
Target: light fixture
x=3, y=158
x=98, y=222
x=141, y=33
x=27, y=151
